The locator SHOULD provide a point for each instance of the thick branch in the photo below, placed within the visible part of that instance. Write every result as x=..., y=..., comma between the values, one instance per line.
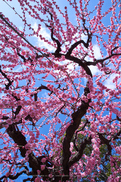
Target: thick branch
x=76, y=116
x=105, y=141
x=79, y=154
x=116, y=136
x=34, y=162
x=57, y=52
x=74, y=141
x=119, y=119
x=86, y=44
x=81, y=63
x=75, y=45
x=17, y=137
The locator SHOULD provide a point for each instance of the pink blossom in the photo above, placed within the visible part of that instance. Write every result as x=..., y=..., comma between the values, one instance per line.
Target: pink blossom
x=37, y=179
x=42, y=167
x=50, y=175
x=43, y=160
x=7, y=174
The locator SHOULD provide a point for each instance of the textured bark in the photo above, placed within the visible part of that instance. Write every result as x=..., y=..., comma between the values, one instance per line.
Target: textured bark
x=76, y=116
x=34, y=162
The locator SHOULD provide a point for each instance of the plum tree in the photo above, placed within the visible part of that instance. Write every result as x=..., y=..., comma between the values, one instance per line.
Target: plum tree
x=60, y=85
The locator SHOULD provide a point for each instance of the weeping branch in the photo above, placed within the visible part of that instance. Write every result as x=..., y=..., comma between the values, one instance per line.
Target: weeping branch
x=19, y=34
